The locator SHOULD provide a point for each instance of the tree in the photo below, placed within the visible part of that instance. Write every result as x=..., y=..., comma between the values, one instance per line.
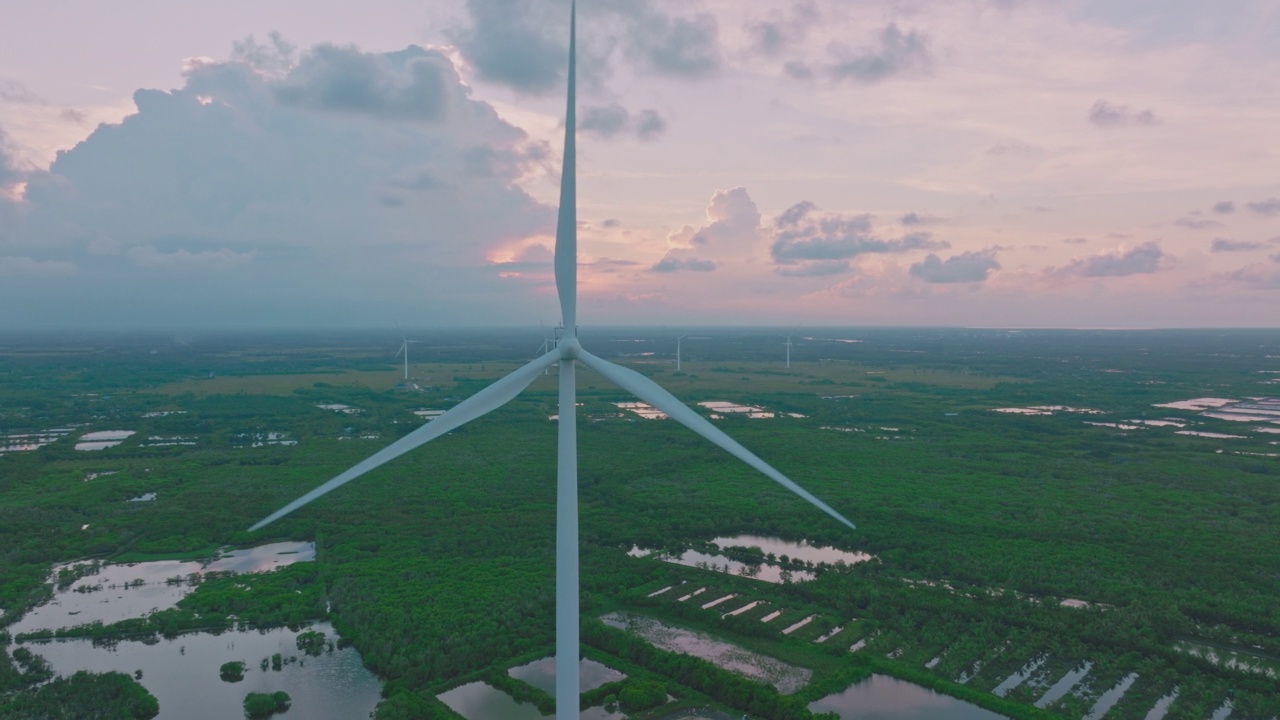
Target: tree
x=232, y=671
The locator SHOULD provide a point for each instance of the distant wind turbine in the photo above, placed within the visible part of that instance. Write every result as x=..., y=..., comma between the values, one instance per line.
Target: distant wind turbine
x=788, y=344
x=547, y=342
x=682, y=337
x=404, y=348
x=568, y=352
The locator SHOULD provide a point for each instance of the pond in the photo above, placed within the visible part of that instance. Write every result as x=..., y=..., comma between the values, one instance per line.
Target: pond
x=542, y=674
x=881, y=697
x=481, y=701
x=816, y=554
x=769, y=572
x=120, y=592
x=183, y=673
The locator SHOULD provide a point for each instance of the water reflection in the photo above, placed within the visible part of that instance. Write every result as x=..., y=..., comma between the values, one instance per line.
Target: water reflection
x=881, y=697
x=796, y=551
x=481, y=701
x=183, y=673
x=119, y=592
x=542, y=674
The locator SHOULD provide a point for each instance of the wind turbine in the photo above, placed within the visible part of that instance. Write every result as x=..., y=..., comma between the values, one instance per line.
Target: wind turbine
x=678, y=351
x=568, y=352
x=548, y=341
x=788, y=344
x=404, y=348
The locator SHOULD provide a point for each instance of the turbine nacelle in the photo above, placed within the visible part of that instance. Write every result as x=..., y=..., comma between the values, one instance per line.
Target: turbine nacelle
x=570, y=348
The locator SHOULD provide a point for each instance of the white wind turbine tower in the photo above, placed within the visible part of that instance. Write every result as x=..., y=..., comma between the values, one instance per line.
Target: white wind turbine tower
x=404, y=348
x=568, y=353
x=682, y=337
x=788, y=344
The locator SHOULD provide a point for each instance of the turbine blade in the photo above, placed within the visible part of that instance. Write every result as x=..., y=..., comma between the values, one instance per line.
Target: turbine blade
x=652, y=393
x=566, y=260
x=488, y=399
x=402, y=349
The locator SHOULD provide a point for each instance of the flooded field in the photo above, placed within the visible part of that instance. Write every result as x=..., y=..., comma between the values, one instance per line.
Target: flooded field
x=818, y=555
x=644, y=410
x=1233, y=658
x=719, y=563
x=183, y=673
x=771, y=548
x=786, y=678
x=881, y=697
x=103, y=439
x=28, y=441
x=120, y=592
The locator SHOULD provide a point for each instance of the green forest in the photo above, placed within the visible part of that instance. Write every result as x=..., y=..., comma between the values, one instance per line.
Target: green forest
x=438, y=567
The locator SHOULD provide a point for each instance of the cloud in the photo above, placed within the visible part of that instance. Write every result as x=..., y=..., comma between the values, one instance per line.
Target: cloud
x=1075, y=240
x=1268, y=207
x=307, y=199
x=1141, y=259
x=1106, y=115
x=966, y=267
x=12, y=91
x=898, y=53
x=221, y=259
x=818, y=268
x=913, y=219
x=680, y=47
x=603, y=120
x=770, y=37
x=1196, y=223
x=734, y=222
x=1014, y=149
x=412, y=84
x=1224, y=207
x=274, y=58
x=649, y=125
x=517, y=43
x=1260, y=276
x=670, y=263
x=802, y=237
x=21, y=265
x=9, y=172
x=797, y=70
x=608, y=121
x=733, y=225
x=1226, y=245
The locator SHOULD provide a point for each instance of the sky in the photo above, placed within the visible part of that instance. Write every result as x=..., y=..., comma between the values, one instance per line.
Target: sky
x=983, y=163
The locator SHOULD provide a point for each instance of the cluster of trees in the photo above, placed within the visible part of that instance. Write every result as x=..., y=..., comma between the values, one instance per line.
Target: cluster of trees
x=105, y=696
x=263, y=705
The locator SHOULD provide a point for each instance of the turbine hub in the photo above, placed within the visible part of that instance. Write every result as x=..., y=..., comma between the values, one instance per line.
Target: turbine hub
x=569, y=348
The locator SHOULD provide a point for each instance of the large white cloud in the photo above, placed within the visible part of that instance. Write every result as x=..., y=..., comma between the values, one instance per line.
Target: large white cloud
x=285, y=177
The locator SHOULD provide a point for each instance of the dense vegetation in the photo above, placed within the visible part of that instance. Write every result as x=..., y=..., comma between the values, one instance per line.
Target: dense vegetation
x=263, y=705
x=438, y=566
